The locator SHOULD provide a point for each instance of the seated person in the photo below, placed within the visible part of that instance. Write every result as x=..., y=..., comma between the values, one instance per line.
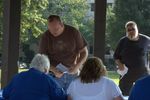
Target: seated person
x=141, y=89
x=34, y=84
x=92, y=83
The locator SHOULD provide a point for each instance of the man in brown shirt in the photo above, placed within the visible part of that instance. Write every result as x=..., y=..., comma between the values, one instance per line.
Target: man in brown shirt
x=63, y=44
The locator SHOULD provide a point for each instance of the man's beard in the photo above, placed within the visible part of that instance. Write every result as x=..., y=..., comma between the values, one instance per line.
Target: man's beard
x=133, y=38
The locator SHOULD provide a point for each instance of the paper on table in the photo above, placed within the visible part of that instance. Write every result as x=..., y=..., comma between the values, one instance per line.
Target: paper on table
x=122, y=72
x=62, y=68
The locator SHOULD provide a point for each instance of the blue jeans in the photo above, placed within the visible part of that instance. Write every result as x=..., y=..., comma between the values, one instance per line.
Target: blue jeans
x=65, y=80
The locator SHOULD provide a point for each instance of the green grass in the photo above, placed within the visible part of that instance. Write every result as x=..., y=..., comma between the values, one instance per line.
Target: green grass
x=114, y=76
x=20, y=70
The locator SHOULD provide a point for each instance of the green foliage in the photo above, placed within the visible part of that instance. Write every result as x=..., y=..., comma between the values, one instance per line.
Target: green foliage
x=29, y=54
x=32, y=21
x=87, y=29
x=125, y=10
x=71, y=11
x=110, y=18
x=114, y=76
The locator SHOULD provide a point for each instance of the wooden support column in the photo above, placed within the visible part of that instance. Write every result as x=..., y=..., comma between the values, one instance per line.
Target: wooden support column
x=10, y=46
x=100, y=24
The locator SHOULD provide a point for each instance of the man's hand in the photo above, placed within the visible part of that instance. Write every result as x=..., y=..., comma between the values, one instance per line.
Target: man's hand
x=57, y=73
x=82, y=56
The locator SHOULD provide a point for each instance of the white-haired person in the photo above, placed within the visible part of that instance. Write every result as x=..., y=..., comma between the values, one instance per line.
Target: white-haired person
x=92, y=84
x=132, y=53
x=34, y=84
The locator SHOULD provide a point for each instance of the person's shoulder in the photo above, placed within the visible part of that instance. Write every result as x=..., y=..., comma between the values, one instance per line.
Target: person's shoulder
x=77, y=80
x=108, y=81
x=50, y=79
x=106, y=78
x=69, y=27
x=123, y=38
x=144, y=36
x=19, y=75
x=45, y=34
x=144, y=80
x=22, y=73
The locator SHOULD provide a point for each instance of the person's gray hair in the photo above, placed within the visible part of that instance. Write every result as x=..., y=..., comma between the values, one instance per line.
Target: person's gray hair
x=40, y=62
x=129, y=23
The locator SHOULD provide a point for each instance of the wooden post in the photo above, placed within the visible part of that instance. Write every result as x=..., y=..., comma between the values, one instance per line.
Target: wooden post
x=10, y=46
x=100, y=24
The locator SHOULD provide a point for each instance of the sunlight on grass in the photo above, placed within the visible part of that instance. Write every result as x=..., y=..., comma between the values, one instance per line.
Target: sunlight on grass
x=114, y=76
x=21, y=70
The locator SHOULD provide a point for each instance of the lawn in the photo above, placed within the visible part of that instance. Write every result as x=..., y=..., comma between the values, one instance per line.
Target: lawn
x=111, y=74
x=114, y=76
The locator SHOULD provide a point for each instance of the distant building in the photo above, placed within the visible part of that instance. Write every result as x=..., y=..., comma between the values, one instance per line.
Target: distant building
x=92, y=6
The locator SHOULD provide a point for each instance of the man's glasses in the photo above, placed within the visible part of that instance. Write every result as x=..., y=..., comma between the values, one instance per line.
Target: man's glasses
x=132, y=29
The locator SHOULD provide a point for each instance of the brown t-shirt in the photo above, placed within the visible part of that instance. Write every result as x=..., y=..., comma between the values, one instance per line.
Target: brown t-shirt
x=64, y=48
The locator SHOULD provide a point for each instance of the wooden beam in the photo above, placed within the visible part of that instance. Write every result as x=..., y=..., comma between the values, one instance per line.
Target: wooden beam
x=100, y=24
x=10, y=46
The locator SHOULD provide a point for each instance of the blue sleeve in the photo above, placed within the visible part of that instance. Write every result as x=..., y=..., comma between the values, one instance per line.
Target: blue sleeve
x=56, y=92
x=134, y=93
x=8, y=89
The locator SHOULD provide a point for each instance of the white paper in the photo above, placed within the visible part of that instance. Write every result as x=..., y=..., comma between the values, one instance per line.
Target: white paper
x=122, y=72
x=62, y=68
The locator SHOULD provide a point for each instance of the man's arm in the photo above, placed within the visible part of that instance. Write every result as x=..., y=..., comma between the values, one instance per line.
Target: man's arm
x=81, y=59
x=43, y=45
x=117, y=55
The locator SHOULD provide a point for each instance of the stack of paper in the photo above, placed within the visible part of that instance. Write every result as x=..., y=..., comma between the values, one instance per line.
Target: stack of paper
x=62, y=68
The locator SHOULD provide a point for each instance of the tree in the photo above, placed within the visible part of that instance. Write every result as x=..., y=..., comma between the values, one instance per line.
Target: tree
x=110, y=17
x=87, y=29
x=125, y=10
x=32, y=21
x=72, y=12
x=32, y=18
